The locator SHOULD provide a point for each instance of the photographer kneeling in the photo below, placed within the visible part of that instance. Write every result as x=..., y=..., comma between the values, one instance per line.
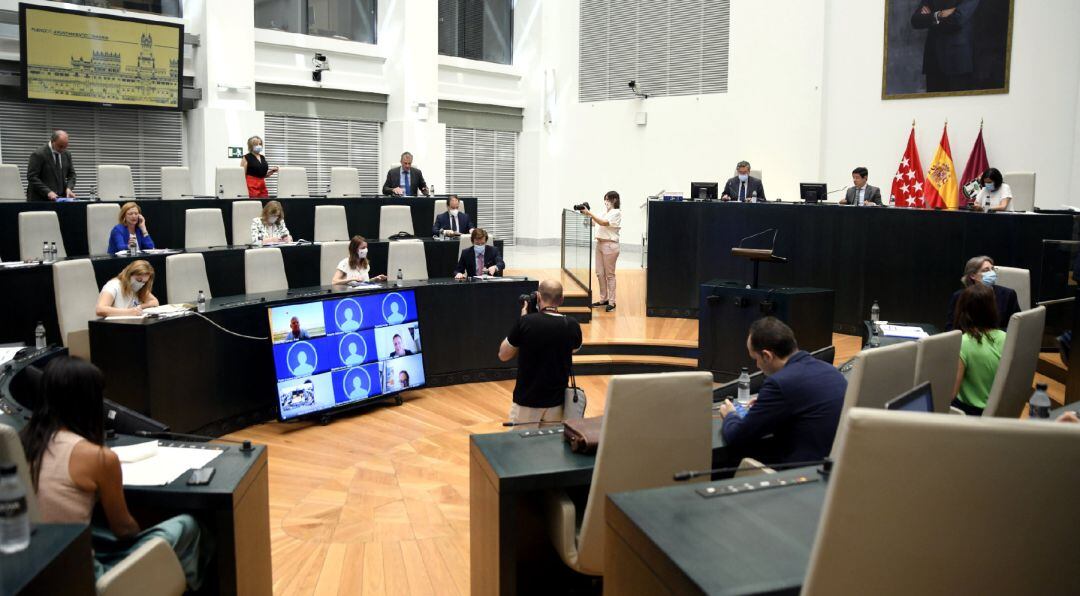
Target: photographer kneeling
x=545, y=342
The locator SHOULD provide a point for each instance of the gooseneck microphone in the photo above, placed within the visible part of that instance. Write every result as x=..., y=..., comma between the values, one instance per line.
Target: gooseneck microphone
x=523, y=422
x=773, y=230
x=826, y=468
x=245, y=446
x=837, y=190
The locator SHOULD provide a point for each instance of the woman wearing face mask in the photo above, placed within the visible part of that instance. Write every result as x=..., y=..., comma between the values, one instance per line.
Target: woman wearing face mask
x=356, y=266
x=607, y=248
x=995, y=194
x=131, y=222
x=480, y=259
x=128, y=293
x=980, y=270
x=256, y=169
x=980, y=350
x=270, y=227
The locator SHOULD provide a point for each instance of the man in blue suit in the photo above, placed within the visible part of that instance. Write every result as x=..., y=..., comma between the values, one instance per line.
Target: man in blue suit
x=949, y=55
x=454, y=222
x=743, y=187
x=479, y=259
x=799, y=404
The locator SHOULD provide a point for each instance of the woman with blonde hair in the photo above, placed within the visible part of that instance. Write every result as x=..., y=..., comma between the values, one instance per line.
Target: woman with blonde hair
x=129, y=292
x=270, y=227
x=130, y=223
x=256, y=169
x=356, y=266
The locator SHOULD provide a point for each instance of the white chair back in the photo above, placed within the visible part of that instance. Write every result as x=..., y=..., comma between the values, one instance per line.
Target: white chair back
x=394, y=219
x=204, y=228
x=331, y=224
x=243, y=213
x=330, y=254
x=115, y=183
x=440, y=208
x=410, y=257
x=187, y=275
x=344, y=182
x=264, y=271
x=465, y=241
x=36, y=227
x=229, y=183
x=292, y=182
x=937, y=360
x=75, y=291
x=100, y=220
x=1019, y=281
x=1019, y=359
x=11, y=188
x=1023, y=190
x=176, y=183
x=11, y=450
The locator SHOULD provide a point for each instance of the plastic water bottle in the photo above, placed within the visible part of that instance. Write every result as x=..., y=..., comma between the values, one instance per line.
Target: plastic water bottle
x=200, y=302
x=744, y=386
x=14, y=515
x=892, y=200
x=1039, y=405
x=45, y=251
x=875, y=313
x=399, y=277
x=39, y=337
x=52, y=251
x=133, y=245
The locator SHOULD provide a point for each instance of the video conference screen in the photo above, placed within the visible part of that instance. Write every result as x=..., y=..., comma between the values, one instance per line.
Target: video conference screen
x=337, y=353
x=80, y=57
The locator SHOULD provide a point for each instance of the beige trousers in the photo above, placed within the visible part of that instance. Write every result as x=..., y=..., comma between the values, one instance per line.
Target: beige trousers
x=527, y=414
x=607, y=253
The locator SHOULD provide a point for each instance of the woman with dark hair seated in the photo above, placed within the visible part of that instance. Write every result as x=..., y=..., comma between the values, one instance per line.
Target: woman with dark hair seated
x=981, y=270
x=72, y=469
x=980, y=348
x=995, y=194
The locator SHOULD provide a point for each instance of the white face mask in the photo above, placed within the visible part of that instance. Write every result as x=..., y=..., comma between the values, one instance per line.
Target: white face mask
x=453, y=211
x=137, y=285
x=257, y=149
x=744, y=177
x=362, y=253
x=271, y=220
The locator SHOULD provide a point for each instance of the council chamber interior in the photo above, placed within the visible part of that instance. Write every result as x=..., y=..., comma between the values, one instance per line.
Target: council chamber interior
x=328, y=296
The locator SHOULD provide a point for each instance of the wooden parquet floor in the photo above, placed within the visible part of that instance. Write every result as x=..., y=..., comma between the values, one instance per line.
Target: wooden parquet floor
x=378, y=503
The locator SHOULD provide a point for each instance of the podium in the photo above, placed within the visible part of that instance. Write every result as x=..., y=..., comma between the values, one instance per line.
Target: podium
x=757, y=256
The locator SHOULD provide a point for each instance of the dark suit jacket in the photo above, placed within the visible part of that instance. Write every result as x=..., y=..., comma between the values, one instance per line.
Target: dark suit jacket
x=1007, y=306
x=467, y=262
x=42, y=175
x=799, y=406
x=731, y=189
x=393, y=180
x=872, y=195
x=950, y=42
x=442, y=222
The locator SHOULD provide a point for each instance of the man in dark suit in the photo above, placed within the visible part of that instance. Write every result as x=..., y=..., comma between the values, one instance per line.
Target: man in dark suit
x=860, y=192
x=404, y=180
x=743, y=187
x=453, y=222
x=50, y=174
x=799, y=404
x=479, y=259
x=949, y=54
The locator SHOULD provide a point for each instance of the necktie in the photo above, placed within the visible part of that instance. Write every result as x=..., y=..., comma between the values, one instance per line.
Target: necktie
x=742, y=191
x=480, y=264
x=408, y=187
x=453, y=222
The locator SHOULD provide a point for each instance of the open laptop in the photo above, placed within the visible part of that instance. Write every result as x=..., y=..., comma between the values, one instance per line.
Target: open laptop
x=919, y=399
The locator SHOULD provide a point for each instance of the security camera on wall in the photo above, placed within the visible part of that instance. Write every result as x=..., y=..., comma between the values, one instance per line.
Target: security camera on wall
x=320, y=63
x=638, y=90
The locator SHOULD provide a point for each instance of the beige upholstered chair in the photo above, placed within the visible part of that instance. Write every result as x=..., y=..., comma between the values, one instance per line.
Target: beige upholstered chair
x=100, y=219
x=229, y=182
x=881, y=374
x=440, y=208
x=292, y=182
x=909, y=491
x=344, y=182
x=937, y=360
x=330, y=223
x=152, y=564
x=410, y=257
x=1023, y=190
x=176, y=183
x=465, y=241
x=11, y=188
x=204, y=228
x=187, y=275
x=36, y=227
x=330, y=254
x=1019, y=358
x=394, y=219
x=654, y=426
x=76, y=292
x=243, y=212
x=264, y=271
x=115, y=183
x=1018, y=280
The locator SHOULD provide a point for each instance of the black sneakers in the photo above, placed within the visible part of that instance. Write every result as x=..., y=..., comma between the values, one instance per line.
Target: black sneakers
x=601, y=303
x=610, y=308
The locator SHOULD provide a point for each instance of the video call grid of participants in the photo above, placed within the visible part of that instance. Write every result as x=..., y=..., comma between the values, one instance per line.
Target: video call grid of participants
x=342, y=351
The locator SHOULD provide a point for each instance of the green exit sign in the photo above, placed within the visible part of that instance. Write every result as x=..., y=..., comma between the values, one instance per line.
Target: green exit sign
x=236, y=152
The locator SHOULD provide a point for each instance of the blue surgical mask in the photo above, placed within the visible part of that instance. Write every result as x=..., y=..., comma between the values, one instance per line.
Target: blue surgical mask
x=744, y=177
x=989, y=187
x=478, y=249
x=257, y=149
x=990, y=277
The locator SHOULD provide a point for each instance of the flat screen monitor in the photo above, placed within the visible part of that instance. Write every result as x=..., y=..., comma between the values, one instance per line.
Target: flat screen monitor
x=703, y=191
x=813, y=192
x=337, y=353
x=919, y=399
x=74, y=56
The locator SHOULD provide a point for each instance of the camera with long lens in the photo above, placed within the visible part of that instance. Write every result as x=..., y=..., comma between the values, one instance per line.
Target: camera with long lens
x=530, y=300
x=582, y=206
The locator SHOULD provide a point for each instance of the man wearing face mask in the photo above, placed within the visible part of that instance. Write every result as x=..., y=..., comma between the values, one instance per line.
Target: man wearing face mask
x=799, y=404
x=256, y=169
x=743, y=188
x=454, y=222
x=981, y=269
x=480, y=259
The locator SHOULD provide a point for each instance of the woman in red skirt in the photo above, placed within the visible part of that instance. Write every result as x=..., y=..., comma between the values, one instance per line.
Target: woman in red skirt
x=256, y=169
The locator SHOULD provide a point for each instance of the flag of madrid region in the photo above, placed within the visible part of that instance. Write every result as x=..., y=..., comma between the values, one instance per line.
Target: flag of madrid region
x=942, y=190
x=908, y=183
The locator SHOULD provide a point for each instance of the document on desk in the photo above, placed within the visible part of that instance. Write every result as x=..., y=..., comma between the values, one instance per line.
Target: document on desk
x=154, y=464
x=8, y=354
x=906, y=331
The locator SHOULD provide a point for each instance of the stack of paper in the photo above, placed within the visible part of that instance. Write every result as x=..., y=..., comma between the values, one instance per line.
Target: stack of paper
x=906, y=331
x=152, y=464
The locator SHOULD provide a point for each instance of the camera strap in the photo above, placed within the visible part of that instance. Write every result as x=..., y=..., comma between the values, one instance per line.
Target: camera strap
x=573, y=379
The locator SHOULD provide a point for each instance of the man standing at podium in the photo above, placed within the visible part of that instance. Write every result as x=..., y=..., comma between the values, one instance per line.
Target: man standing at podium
x=405, y=180
x=744, y=188
x=860, y=192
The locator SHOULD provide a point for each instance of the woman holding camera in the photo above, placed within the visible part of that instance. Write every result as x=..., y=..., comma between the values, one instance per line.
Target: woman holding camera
x=607, y=247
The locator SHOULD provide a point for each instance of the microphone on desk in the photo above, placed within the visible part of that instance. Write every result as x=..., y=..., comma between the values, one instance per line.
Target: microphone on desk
x=837, y=190
x=523, y=422
x=245, y=446
x=773, y=230
x=826, y=467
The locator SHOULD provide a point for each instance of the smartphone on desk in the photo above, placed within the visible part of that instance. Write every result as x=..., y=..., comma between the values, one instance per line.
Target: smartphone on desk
x=200, y=476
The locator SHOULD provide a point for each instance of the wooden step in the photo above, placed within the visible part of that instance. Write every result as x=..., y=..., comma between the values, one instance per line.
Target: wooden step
x=581, y=314
x=1051, y=366
x=642, y=347
x=620, y=364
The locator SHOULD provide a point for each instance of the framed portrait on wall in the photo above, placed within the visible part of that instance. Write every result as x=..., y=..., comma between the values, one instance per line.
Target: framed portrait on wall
x=936, y=48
